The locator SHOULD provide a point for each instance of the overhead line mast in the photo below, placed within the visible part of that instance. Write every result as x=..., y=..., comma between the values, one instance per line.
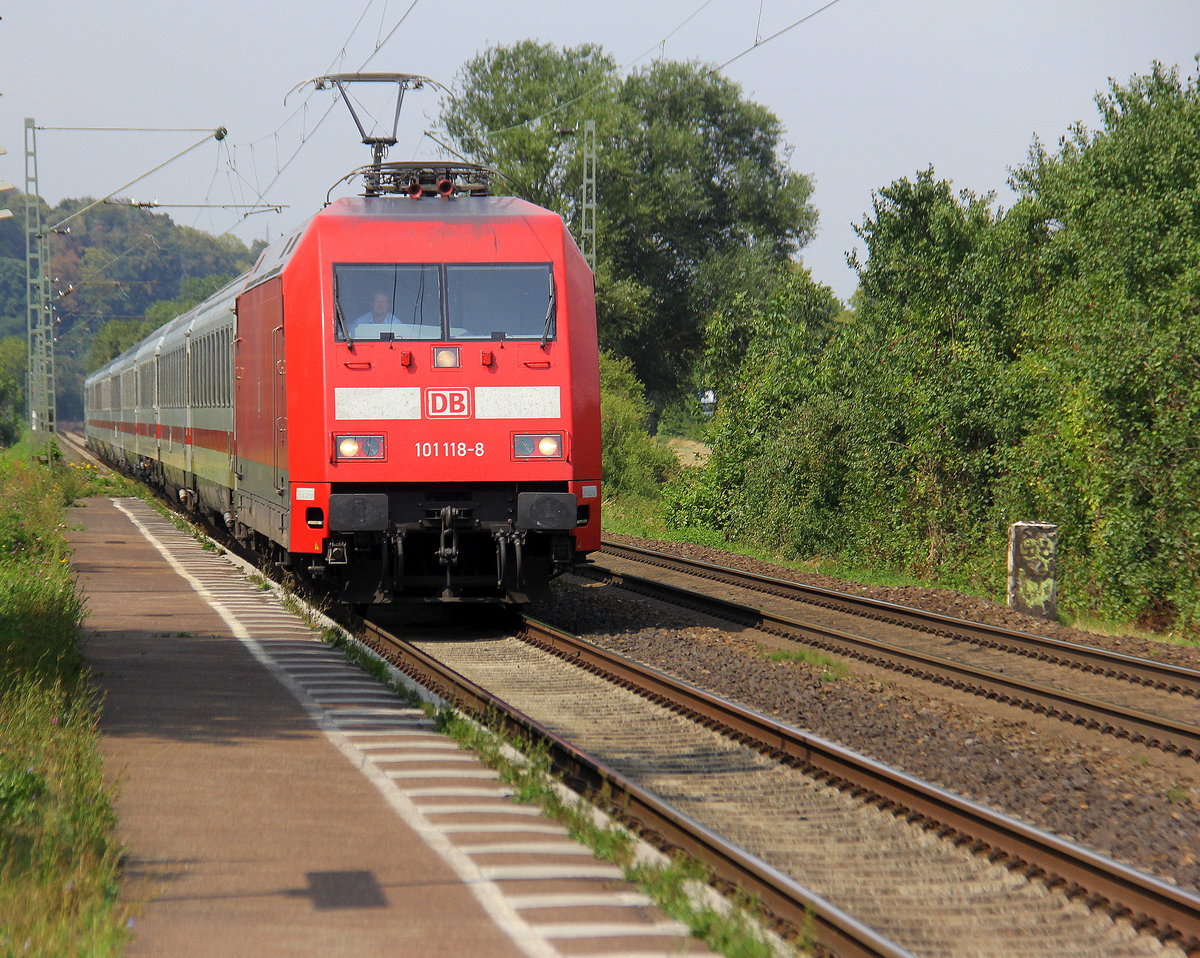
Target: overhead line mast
x=588, y=225
x=39, y=313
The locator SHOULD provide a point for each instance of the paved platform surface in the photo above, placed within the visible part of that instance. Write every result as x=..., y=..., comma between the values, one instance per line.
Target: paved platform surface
x=275, y=801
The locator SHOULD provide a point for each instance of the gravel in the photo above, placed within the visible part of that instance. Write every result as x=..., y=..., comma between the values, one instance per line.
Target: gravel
x=1136, y=804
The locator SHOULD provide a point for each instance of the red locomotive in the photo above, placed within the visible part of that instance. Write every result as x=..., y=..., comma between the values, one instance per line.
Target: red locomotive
x=401, y=397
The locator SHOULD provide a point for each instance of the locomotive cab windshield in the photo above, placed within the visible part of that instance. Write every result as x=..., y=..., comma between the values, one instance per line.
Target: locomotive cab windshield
x=443, y=302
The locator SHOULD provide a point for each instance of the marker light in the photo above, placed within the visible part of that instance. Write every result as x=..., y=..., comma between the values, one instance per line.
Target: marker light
x=538, y=446
x=446, y=357
x=358, y=447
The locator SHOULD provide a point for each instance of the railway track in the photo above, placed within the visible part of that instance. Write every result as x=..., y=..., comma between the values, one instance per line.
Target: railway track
x=899, y=632
x=1077, y=881
x=874, y=861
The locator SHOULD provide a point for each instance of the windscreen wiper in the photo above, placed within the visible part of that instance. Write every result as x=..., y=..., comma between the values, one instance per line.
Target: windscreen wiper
x=549, y=318
x=339, y=317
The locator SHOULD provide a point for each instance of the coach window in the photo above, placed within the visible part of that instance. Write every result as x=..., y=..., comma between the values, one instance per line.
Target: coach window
x=500, y=301
x=376, y=301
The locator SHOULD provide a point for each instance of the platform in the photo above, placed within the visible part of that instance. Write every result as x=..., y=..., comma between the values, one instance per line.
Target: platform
x=274, y=800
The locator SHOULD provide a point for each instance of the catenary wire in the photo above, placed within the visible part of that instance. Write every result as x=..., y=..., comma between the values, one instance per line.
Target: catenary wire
x=304, y=141
x=757, y=43
x=778, y=33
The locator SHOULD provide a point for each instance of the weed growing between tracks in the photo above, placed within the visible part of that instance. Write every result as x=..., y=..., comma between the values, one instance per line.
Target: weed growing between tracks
x=59, y=864
x=832, y=667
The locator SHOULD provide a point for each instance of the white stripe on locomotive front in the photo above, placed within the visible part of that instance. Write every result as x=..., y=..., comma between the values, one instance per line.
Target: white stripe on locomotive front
x=491, y=402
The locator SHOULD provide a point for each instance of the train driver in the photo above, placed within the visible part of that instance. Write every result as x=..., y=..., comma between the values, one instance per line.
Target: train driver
x=380, y=312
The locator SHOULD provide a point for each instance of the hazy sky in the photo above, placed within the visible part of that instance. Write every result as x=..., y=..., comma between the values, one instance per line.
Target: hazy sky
x=868, y=90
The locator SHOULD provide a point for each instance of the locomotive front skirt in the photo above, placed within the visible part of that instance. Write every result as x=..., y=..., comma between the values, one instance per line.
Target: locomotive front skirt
x=401, y=398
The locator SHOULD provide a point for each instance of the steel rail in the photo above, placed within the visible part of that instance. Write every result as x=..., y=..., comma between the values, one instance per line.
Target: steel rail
x=1173, y=914
x=1159, y=675
x=1151, y=730
x=793, y=906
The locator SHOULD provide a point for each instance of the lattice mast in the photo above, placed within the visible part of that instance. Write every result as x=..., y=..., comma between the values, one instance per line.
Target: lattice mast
x=40, y=318
x=587, y=230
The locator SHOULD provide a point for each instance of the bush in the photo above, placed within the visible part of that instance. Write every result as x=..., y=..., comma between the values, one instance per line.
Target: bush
x=685, y=419
x=634, y=462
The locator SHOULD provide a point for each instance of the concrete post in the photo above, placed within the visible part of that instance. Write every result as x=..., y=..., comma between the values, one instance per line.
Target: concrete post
x=1032, y=568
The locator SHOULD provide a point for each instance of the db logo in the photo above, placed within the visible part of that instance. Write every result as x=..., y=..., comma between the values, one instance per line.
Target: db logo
x=447, y=403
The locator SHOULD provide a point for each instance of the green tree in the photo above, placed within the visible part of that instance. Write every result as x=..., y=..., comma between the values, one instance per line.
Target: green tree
x=1035, y=363
x=113, y=338
x=691, y=175
x=778, y=459
x=13, y=301
x=519, y=110
x=116, y=262
x=118, y=335
x=1111, y=453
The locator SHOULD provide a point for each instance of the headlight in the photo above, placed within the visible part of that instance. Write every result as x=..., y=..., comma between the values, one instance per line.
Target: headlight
x=358, y=447
x=538, y=446
x=446, y=357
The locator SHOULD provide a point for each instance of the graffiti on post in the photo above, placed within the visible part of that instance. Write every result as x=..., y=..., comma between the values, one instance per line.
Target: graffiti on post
x=1031, y=568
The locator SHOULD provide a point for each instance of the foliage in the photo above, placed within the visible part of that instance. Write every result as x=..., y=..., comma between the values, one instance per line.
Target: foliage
x=14, y=359
x=58, y=856
x=110, y=265
x=692, y=183
x=13, y=301
x=1111, y=454
x=634, y=462
x=519, y=109
x=684, y=418
x=1034, y=363
x=761, y=358
x=114, y=337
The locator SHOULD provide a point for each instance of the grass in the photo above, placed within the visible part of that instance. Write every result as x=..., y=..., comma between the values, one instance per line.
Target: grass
x=1179, y=795
x=1099, y=626
x=59, y=862
x=635, y=516
x=833, y=668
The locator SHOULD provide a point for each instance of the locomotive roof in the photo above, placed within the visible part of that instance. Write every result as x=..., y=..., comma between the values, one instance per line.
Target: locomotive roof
x=473, y=210
x=461, y=208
